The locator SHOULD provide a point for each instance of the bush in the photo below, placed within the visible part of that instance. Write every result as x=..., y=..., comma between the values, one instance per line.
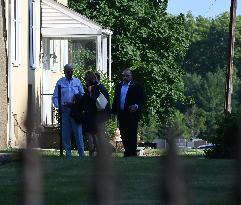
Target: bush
x=226, y=140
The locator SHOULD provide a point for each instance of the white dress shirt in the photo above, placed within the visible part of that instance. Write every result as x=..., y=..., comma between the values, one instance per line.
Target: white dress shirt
x=68, y=89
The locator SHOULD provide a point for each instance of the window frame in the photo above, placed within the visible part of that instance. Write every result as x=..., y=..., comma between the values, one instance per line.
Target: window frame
x=32, y=34
x=16, y=32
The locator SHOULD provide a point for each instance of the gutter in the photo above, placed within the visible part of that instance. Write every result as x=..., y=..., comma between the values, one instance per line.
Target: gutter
x=9, y=69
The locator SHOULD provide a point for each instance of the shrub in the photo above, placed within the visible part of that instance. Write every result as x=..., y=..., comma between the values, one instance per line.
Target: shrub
x=226, y=140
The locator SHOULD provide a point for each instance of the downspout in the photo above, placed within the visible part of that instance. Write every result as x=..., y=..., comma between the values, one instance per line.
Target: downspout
x=9, y=67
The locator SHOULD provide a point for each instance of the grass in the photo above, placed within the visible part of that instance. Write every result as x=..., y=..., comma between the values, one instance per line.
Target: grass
x=138, y=180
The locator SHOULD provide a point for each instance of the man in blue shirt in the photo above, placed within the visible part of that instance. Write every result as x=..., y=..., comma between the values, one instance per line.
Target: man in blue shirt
x=128, y=100
x=70, y=86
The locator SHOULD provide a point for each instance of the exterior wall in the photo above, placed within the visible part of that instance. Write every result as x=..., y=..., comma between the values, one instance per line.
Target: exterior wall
x=26, y=83
x=3, y=84
x=19, y=84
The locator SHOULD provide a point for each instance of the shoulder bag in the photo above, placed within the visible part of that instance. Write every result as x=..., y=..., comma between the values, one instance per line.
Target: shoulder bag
x=101, y=102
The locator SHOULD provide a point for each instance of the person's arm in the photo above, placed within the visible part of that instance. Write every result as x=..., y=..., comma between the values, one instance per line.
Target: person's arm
x=140, y=99
x=104, y=91
x=141, y=96
x=55, y=96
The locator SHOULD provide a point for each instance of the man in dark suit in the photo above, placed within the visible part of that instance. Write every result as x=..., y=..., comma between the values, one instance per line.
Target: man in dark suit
x=128, y=100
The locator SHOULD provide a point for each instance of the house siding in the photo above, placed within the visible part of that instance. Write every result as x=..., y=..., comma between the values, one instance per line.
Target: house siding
x=3, y=85
x=19, y=83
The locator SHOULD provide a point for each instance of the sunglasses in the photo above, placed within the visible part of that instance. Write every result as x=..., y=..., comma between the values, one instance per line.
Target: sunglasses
x=69, y=71
x=123, y=75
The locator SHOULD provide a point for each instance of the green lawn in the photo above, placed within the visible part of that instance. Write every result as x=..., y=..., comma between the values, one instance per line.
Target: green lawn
x=138, y=180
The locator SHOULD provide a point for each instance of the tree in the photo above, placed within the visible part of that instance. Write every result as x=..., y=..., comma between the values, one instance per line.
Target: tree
x=208, y=95
x=209, y=44
x=147, y=39
x=195, y=121
x=181, y=125
x=208, y=50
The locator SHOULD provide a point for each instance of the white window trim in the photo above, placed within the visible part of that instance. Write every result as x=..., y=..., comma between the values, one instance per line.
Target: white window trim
x=32, y=34
x=16, y=32
x=64, y=54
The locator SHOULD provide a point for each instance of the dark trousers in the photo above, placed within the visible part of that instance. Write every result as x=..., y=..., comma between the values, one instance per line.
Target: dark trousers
x=128, y=124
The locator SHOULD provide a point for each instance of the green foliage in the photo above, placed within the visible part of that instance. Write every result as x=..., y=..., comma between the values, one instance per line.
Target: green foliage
x=192, y=86
x=184, y=131
x=109, y=84
x=195, y=121
x=227, y=138
x=209, y=44
x=149, y=130
x=150, y=41
x=209, y=41
x=208, y=95
x=83, y=54
x=111, y=126
x=79, y=72
x=205, y=63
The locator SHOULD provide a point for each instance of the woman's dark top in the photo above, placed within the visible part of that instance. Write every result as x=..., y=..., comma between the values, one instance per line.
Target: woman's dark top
x=92, y=116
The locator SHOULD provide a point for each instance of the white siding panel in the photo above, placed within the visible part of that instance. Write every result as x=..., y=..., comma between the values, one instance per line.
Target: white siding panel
x=59, y=21
x=52, y=16
x=55, y=15
x=56, y=19
x=61, y=26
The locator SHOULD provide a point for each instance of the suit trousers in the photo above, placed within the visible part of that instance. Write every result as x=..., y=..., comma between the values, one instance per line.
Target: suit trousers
x=128, y=123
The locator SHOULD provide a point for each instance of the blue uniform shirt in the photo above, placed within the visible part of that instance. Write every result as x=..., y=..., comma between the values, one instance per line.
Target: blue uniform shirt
x=68, y=89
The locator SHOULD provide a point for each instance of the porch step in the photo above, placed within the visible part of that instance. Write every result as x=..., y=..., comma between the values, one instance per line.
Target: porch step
x=48, y=138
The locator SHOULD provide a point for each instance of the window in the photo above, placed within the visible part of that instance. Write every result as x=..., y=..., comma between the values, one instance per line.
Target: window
x=32, y=34
x=15, y=31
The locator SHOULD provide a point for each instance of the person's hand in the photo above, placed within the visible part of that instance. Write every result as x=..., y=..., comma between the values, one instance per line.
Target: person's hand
x=133, y=108
x=67, y=104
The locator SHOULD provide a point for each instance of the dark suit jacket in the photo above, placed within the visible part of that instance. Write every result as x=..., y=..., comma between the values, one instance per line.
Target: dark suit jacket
x=135, y=95
x=77, y=109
